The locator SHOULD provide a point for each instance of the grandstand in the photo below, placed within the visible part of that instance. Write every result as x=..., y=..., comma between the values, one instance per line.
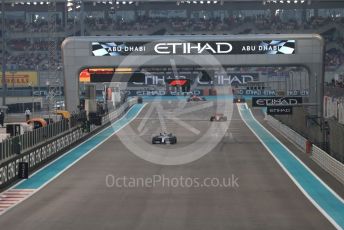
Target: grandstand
x=27, y=25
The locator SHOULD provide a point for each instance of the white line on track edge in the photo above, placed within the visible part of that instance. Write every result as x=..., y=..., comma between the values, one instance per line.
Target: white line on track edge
x=330, y=219
x=80, y=158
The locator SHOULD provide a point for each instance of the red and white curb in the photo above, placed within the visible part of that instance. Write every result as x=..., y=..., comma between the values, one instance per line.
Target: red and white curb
x=12, y=197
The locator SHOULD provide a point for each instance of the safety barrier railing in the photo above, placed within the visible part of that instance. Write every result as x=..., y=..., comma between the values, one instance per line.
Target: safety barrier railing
x=15, y=145
x=20, y=143
x=328, y=163
x=116, y=113
x=37, y=155
x=112, y=115
x=51, y=148
x=290, y=134
x=37, y=136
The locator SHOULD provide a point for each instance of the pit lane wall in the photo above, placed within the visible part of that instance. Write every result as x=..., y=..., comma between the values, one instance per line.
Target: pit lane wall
x=322, y=158
x=333, y=139
x=304, y=125
x=44, y=153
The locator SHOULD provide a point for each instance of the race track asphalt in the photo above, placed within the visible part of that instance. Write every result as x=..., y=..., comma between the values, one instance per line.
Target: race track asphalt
x=265, y=197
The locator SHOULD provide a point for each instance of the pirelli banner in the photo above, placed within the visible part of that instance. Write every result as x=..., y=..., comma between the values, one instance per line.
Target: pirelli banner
x=20, y=78
x=193, y=48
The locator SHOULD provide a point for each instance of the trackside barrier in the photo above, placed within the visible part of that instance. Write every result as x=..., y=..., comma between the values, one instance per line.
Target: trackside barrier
x=109, y=117
x=322, y=158
x=328, y=163
x=52, y=148
x=115, y=114
x=21, y=143
x=37, y=156
x=290, y=134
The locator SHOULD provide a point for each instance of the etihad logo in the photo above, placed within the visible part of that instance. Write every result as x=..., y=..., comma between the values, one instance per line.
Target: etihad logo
x=163, y=93
x=190, y=48
x=278, y=101
x=281, y=101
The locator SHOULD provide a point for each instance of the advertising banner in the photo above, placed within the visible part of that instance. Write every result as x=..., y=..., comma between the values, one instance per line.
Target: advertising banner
x=229, y=79
x=275, y=101
x=298, y=92
x=23, y=170
x=270, y=47
x=85, y=76
x=20, y=79
x=163, y=93
x=279, y=110
x=256, y=92
x=201, y=78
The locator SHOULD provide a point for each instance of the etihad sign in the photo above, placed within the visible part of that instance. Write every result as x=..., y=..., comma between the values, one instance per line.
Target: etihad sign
x=190, y=48
x=273, y=101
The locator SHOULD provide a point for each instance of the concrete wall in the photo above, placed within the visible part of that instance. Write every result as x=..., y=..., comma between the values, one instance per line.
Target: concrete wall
x=336, y=138
x=298, y=122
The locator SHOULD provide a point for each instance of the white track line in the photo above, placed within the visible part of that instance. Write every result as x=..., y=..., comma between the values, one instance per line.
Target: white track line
x=2, y=211
x=332, y=221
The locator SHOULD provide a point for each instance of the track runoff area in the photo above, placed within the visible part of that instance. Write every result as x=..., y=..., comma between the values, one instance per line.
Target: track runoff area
x=248, y=180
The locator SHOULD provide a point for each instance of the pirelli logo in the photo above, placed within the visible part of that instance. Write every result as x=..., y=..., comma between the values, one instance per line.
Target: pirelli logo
x=21, y=78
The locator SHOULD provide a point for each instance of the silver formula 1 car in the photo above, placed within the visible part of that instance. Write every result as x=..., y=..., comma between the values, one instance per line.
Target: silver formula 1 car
x=164, y=138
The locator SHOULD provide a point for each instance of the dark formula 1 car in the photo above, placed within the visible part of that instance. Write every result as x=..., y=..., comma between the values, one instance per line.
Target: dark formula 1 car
x=196, y=98
x=164, y=138
x=218, y=117
x=239, y=100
